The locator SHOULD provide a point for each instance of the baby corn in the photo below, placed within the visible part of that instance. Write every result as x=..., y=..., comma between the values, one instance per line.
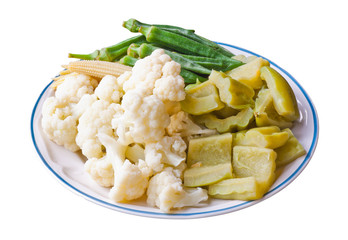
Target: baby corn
x=97, y=69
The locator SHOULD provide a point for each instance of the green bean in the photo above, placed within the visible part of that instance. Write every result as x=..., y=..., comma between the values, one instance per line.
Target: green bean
x=128, y=60
x=111, y=53
x=135, y=25
x=216, y=64
x=178, y=42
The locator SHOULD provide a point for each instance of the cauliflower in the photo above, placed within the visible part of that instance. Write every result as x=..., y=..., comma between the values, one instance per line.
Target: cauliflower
x=109, y=89
x=130, y=180
x=58, y=123
x=74, y=87
x=166, y=191
x=147, y=71
x=171, y=85
x=182, y=125
x=101, y=170
x=60, y=113
x=169, y=150
x=96, y=119
x=140, y=107
x=144, y=119
x=153, y=91
x=85, y=102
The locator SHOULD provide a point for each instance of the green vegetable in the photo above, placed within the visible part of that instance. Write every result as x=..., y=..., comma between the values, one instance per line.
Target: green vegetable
x=209, y=160
x=128, y=60
x=290, y=151
x=179, y=42
x=284, y=99
x=223, y=65
x=232, y=92
x=111, y=53
x=265, y=113
x=134, y=26
x=267, y=137
x=191, y=77
x=229, y=124
x=236, y=188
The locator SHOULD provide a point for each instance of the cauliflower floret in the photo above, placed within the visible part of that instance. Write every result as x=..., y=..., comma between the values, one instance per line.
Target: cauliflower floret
x=109, y=89
x=169, y=150
x=60, y=113
x=171, y=85
x=182, y=125
x=58, y=123
x=74, y=87
x=130, y=180
x=147, y=71
x=85, y=102
x=96, y=119
x=166, y=191
x=144, y=119
x=101, y=171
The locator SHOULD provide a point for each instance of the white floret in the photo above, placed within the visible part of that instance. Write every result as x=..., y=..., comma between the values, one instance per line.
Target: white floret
x=130, y=180
x=109, y=89
x=101, y=171
x=85, y=102
x=74, y=87
x=147, y=71
x=169, y=150
x=144, y=119
x=166, y=192
x=60, y=113
x=96, y=119
x=58, y=123
x=171, y=85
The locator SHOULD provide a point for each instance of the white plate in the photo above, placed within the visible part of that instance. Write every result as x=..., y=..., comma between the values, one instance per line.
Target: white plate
x=69, y=170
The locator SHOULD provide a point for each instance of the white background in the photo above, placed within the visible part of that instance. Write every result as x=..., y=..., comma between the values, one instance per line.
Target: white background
x=306, y=38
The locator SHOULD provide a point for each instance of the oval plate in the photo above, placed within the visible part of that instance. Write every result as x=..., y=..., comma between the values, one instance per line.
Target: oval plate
x=68, y=167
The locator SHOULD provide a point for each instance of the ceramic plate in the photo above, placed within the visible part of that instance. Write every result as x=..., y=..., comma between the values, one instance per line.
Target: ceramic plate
x=68, y=168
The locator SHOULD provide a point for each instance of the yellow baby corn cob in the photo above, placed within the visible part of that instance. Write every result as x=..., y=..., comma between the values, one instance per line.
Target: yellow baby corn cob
x=97, y=69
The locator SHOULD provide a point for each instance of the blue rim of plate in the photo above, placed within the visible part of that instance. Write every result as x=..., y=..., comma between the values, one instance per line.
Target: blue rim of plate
x=203, y=213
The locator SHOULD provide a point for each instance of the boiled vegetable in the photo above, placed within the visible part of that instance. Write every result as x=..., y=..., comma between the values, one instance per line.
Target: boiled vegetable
x=203, y=98
x=267, y=137
x=111, y=53
x=236, y=189
x=249, y=73
x=208, y=160
x=255, y=162
x=232, y=92
x=290, y=151
x=179, y=42
x=134, y=26
x=229, y=124
x=284, y=100
x=265, y=113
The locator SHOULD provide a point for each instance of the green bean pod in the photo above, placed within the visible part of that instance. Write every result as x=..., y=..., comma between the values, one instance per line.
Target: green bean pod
x=111, y=53
x=134, y=26
x=178, y=42
x=223, y=65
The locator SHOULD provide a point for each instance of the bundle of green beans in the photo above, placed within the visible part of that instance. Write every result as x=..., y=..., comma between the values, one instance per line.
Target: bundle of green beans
x=196, y=55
